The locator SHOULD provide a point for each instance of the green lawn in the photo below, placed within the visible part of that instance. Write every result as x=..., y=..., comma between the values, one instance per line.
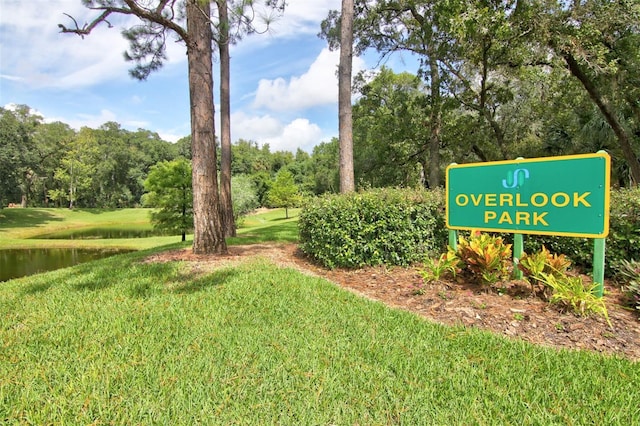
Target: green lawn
x=122, y=341
x=19, y=227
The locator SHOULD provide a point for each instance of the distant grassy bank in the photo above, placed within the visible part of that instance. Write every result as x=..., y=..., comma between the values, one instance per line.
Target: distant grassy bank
x=18, y=227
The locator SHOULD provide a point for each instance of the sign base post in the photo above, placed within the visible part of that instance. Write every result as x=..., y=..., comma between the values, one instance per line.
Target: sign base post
x=453, y=239
x=598, y=265
x=518, y=245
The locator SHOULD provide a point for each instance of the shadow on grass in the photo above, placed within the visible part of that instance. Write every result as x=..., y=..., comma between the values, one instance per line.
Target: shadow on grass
x=95, y=211
x=35, y=288
x=119, y=269
x=25, y=218
x=282, y=232
x=213, y=279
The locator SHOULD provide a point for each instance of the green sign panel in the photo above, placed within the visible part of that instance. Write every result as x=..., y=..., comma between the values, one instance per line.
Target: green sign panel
x=566, y=195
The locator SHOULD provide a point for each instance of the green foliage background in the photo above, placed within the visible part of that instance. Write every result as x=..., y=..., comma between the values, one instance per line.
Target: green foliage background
x=401, y=226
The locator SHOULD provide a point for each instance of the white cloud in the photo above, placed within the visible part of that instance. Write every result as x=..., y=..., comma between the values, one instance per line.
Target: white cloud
x=91, y=120
x=299, y=133
x=94, y=121
x=317, y=86
x=303, y=16
x=84, y=82
x=299, y=17
x=170, y=136
x=42, y=57
x=248, y=127
x=11, y=77
x=14, y=107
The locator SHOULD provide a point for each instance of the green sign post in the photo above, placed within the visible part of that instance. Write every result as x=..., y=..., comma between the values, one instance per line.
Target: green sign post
x=566, y=196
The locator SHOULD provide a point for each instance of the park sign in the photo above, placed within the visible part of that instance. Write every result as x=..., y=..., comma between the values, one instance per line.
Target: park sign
x=567, y=195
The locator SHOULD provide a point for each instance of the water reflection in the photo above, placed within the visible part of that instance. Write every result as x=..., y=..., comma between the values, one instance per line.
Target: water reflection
x=17, y=263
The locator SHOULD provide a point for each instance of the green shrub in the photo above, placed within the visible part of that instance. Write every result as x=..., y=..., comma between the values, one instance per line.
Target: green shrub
x=342, y=239
x=629, y=271
x=379, y=226
x=623, y=241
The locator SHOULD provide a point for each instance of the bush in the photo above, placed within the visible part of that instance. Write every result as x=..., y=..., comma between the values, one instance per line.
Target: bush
x=243, y=196
x=485, y=256
x=629, y=271
x=623, y=241
x=348, y=230
x=379, y=226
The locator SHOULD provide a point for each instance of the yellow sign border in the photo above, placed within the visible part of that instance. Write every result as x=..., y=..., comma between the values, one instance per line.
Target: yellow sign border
x=607, y=183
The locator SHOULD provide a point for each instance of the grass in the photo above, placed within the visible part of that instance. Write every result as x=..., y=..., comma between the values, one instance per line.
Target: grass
x=269, y=226
x=126, y=342
x=122, y=341
x=20, y=227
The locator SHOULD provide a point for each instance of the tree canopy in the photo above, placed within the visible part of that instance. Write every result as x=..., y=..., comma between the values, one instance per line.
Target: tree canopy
x=494, y=67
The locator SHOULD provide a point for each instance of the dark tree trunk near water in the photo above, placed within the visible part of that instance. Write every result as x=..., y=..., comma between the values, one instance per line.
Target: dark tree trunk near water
x=208, y=228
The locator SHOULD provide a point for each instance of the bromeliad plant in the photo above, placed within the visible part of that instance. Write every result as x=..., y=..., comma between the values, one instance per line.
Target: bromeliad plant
x=535, y=264
x=485, y=256
x=572, y=294
x=446, y=265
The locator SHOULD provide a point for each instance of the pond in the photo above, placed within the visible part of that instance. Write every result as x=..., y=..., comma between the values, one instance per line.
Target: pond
x=101, y=233
x=16, y=263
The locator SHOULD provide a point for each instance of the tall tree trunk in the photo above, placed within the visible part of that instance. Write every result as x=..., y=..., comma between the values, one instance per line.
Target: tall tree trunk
x=184, y=215
x=208, y=232
x=71, y=191
x=485, y=113
x=435, y=123
x=226, y=203
x=623, y=138
x=497, y=132
x=345, y=120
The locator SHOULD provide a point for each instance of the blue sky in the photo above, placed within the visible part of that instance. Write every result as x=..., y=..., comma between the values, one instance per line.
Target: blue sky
x=283, y=86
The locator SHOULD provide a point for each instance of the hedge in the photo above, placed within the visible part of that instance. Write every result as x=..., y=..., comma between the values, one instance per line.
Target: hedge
x=379, y=226
x=401, y=226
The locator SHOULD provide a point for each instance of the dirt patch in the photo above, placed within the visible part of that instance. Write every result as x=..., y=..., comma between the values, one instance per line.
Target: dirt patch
x=514, y=311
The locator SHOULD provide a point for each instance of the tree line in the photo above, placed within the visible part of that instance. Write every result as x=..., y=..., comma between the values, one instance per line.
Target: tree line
x=52, y=165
